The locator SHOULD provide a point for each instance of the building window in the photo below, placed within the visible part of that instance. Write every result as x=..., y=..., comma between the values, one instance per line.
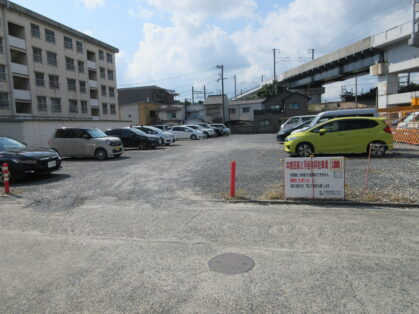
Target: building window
x=103, y=89
x=109, y=57
x=73, y=106
x=101, y=55
x=54, y=81
x=42, y=103
x=111, y=92
x=82, y=87
x=264, y=122
x=1, y=45
x=37, y=55
x=83, y=106
x=4, y=100
x=55, y=105
x=35, y=31
x=110, y=75
x=104, y=108
x=39, y=79
x=69, y=64
x=68, y=43
x=79, y=45
x=52, y=58
x=171, y=115
x=102, y=73
x=113, y=109
x=294, y=106
x=2, y=72
x=80, y=65
x=49, y=36
x=232, y=110
x=246, y=109
x=276, y=107
x=71, y=85
x=95, y=112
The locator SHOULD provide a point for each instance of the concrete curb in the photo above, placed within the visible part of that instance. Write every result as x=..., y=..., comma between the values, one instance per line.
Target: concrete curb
x=328, y=203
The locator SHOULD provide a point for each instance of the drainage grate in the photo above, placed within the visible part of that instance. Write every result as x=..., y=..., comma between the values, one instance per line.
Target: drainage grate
x=231, y=263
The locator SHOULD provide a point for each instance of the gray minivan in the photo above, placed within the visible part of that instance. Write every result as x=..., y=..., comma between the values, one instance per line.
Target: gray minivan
x=85, y=142
x=327, y=115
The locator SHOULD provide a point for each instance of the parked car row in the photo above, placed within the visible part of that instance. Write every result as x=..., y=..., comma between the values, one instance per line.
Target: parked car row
x=337, y=132
x=92, y=142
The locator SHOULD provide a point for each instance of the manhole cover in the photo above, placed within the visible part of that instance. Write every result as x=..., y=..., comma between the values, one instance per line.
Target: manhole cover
x=231, y=263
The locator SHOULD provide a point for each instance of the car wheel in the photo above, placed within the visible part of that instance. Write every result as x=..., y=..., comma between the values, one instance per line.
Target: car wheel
x=101, y=154
x=377, y=149
x=161, y=142
x=193, y=137
x=141, y=146
x=304, y=149
x=206, y=135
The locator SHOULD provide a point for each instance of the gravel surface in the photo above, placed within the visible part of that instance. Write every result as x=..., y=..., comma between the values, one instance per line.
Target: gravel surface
x=201, y=170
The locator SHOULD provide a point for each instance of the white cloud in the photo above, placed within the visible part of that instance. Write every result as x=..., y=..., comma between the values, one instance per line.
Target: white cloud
x=193, y=41
x=93, y=4
x=141, y=13
x=217, y=8
x=89, y=32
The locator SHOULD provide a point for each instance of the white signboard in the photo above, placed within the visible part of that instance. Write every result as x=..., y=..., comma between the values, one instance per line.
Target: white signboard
x=316, y=178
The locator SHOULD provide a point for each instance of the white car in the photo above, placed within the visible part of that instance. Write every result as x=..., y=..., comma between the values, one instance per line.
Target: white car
x=183, y=132
x=206, y=131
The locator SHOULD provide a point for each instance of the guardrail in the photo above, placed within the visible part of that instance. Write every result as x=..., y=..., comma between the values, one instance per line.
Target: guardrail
x=409, y=136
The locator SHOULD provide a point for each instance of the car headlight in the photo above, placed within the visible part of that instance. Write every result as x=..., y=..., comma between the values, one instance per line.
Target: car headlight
x=108, y=142
x=290, y=138
x=25, y=161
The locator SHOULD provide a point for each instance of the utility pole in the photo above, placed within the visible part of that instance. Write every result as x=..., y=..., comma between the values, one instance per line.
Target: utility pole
x=193, y=96
x=235, y=86
x=222, y=88
x=312, y=53
x=261, y=78
x=274, y=51
x=205, y=93
x=414, y=40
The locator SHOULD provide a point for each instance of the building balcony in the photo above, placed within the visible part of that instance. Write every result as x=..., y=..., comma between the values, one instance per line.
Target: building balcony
x=92, y=84
x=21, y=94
x=91, y=64
x=19, y=69
x=94, y=103
x=17, y=42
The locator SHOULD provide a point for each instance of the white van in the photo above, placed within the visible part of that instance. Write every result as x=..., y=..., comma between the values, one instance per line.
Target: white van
x=327, y=115
x=293, y=121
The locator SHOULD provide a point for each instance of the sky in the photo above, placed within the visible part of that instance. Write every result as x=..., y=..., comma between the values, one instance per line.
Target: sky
x=177, y=44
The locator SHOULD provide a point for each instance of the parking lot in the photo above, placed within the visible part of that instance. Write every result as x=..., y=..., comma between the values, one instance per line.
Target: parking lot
x=135, y=234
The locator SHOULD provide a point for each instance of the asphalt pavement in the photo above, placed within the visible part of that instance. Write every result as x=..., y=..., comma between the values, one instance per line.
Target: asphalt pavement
x=135, y=234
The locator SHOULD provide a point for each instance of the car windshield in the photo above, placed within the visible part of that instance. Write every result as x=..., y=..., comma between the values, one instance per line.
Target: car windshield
x=193, y=127
x=8, y=143
x=138, y=131
x=96, y=133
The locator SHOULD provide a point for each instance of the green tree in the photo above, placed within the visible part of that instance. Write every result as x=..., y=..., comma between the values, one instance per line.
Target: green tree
x=270, y=89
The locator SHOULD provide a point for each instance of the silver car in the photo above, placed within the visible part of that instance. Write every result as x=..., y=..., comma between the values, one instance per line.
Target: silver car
x=85, y=142
x=166, y=137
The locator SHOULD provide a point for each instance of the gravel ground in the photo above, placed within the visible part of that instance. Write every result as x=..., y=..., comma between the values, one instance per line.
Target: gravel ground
x=200, y=170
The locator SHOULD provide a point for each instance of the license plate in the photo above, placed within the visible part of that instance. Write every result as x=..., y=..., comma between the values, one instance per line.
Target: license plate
x=117, y=148
x=52, y=164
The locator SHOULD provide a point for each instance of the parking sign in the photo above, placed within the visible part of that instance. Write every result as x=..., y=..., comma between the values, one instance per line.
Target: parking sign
x=316, y=178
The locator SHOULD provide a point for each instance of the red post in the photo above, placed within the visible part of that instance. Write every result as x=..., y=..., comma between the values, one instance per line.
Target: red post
x=6, y=176
x=233, y=179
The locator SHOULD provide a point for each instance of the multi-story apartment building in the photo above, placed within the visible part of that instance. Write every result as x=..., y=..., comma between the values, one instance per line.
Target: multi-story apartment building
x=51, y=71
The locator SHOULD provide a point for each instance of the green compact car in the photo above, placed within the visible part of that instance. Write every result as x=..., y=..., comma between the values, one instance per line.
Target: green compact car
x=349, y=135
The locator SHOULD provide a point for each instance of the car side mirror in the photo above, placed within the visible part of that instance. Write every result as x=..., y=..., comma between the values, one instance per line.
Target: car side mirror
x=322, y=131
x=86, y=136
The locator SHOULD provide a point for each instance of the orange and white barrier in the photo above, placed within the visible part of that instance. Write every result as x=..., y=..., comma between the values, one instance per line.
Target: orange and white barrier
x=409, y=136
x=6, y=178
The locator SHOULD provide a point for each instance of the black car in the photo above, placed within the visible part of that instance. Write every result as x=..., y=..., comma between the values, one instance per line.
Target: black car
x=23, y=160
x=132, y=137
x=282, y=135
